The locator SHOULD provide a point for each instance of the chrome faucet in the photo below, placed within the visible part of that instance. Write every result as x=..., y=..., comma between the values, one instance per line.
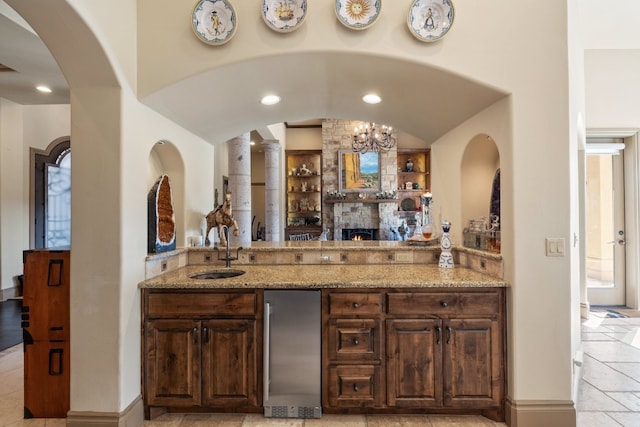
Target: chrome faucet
x=227, y=258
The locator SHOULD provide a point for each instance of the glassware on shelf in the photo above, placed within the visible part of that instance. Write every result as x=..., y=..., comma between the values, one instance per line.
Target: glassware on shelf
x=427, y=222
x=493, y=235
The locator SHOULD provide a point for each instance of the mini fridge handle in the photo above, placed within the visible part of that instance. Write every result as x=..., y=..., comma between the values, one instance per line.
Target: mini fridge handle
x=267, y=350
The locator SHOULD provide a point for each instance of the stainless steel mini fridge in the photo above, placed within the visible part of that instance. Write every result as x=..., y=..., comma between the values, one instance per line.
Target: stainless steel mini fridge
x=292, y=354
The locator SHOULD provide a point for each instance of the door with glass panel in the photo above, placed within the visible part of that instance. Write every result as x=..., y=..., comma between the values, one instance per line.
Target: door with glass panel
x=605, y=240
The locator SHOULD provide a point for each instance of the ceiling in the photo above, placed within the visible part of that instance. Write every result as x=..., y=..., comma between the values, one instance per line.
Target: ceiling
x=26, y=55
x=423, y=101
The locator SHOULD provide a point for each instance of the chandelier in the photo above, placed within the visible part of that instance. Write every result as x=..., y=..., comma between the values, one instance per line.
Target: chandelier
x=367, y=138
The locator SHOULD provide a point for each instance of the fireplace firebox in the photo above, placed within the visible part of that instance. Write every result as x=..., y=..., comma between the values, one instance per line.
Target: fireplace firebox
x=360, y=234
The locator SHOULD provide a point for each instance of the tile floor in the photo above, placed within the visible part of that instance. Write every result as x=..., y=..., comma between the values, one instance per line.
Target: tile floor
x=609, y=391
x=609, y=394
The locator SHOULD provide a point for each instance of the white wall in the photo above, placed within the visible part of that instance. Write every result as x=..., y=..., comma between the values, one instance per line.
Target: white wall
x=14, y=213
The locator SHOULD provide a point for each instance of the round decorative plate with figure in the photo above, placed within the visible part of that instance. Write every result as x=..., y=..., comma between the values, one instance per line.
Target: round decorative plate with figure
x=214, y=21
x=429, y=20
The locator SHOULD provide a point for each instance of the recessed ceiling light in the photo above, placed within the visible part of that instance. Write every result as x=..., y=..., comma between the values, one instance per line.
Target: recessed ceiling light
x=252, y=143
x=43, y=89
x=270, y=100
x=371, y=98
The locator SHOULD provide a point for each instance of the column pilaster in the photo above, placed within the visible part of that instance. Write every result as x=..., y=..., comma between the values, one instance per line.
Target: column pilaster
x=272, y=189
x=240, y=185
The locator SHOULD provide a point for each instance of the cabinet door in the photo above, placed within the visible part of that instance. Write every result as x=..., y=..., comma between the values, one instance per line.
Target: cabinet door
x=229, y=363
x=172, y=362
x=414, y=363
x=472, y=363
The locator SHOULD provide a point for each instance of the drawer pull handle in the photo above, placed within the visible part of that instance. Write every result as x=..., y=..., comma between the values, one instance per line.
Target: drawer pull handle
x=195, y=335
x=444, y=303
x=356, y=305
x=355, y=341
x=355, y=388
x=448, y=334
x=438, y=334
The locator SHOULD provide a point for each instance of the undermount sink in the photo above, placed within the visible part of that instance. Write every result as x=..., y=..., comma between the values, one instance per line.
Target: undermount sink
x=218, y=274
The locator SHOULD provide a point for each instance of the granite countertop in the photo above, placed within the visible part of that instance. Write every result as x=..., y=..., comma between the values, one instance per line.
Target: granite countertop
x=326, y=276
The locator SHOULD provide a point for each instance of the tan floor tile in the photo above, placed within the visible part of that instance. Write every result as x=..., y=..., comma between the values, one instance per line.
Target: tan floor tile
x=55, y=422
x=255, y=420
x=33, y=422
x=165, y=420
x=398, y=421
x=207, y=420
x=337, y=421
x=459, y=421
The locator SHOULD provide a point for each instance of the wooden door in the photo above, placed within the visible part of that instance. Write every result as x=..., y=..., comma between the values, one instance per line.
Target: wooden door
x=414, y=362
x=172, y=363
x=230, y=365
x=472, y=363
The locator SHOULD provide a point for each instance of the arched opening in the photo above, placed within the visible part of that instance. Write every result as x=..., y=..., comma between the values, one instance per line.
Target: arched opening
x=480, y=181
x=165, y=158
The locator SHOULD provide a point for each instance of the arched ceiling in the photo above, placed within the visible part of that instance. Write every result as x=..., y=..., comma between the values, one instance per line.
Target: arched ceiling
x=223, y=102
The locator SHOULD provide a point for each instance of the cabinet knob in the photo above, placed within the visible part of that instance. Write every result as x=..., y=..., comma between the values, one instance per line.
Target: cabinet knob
x=355, y=387
x=355, y=341
x=444, y=303
x=356, y=305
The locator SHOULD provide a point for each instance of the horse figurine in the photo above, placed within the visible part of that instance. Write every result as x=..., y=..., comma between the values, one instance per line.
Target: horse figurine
x=220, y=217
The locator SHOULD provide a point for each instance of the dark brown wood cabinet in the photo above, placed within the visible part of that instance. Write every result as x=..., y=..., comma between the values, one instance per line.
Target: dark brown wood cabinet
x=441, y=349
x=46, y=333
x=202, y=350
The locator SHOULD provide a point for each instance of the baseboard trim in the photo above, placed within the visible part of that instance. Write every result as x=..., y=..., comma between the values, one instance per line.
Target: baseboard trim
x=132, y=416
x=9, y=293
x=536, y=413
x=585, y=307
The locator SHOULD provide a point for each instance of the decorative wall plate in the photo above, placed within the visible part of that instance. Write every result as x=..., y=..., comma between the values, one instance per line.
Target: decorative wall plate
x=408, y=204
x=284, y=16
x=358, y=14
x=214, y=21
x=430, y=20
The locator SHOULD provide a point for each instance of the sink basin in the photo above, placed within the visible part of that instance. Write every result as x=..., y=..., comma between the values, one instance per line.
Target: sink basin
x=218, y=274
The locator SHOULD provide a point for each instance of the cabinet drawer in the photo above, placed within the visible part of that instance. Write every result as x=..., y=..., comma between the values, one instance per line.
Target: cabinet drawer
x=201, y=304
x=355, y=386
x=354, y=339
x=444, y=303
x=355, y=303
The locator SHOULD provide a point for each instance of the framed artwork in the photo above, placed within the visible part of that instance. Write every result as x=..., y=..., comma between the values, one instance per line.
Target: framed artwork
x=358, y=171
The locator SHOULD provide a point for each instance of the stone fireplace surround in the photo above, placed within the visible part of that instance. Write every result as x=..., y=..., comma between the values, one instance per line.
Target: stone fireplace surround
x=347, y=214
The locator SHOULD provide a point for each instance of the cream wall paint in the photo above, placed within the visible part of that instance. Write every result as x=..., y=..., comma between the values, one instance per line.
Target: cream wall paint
x=613, y=25
x=611, y=81
x=304, y=138
x=14, y=213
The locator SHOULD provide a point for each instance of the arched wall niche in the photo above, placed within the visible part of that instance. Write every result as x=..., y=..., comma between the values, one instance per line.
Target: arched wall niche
x=480, y=161
x=165, y=158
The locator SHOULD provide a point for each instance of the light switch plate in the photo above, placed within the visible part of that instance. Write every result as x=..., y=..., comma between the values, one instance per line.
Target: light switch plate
x=554, y=246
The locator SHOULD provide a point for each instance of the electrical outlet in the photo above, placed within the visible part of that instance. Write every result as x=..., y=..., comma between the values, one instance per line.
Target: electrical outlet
x=554, y=246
